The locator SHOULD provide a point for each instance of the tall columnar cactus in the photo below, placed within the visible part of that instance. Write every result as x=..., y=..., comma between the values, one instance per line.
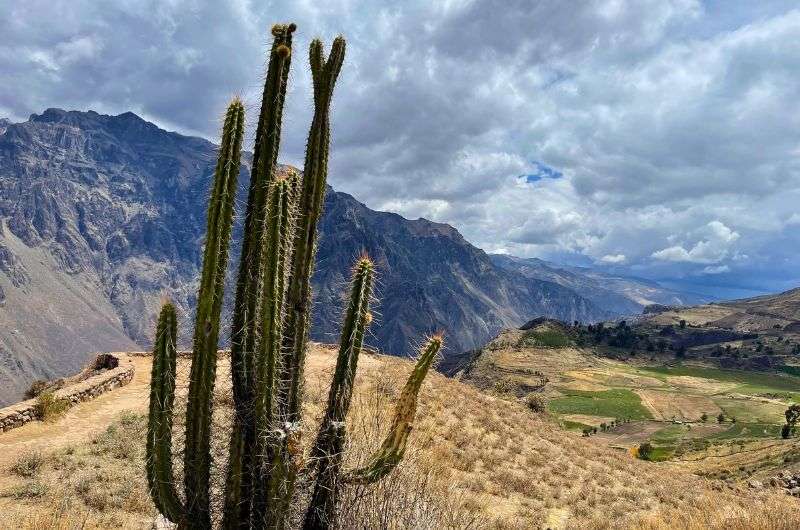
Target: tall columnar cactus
x=269, y=337
x=197, y=457
x=245, y=326
x=159, y=428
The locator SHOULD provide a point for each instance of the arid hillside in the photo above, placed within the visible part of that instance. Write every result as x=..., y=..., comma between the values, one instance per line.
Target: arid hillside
x=477, y=461
x=717, y=422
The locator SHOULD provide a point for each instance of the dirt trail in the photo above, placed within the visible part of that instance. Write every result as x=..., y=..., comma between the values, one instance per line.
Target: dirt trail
x=83, y=422
x=80, y=423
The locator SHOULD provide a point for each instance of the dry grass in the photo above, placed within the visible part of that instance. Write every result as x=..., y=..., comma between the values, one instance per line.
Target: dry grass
x=475, y=461
x=49, y=407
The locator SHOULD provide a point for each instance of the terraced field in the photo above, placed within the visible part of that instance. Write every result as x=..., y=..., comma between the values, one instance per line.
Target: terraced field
x=683, y=410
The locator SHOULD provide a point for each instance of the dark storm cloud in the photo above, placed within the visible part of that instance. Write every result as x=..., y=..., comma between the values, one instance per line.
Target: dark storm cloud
x=673, y=124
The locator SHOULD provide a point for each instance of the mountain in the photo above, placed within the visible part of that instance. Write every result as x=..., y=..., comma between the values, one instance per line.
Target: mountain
x=622, y=295
x=4, y=123
x=768, y=315
x=101, y=217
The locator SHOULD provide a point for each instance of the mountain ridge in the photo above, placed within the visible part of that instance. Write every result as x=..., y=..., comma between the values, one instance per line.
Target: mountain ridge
x=104, y=216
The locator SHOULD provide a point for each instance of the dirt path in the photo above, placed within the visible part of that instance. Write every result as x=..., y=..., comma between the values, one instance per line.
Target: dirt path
x=81, y=423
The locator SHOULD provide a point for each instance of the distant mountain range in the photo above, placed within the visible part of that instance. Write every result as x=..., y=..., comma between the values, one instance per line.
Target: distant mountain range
x=621, y=295
x=101, y=217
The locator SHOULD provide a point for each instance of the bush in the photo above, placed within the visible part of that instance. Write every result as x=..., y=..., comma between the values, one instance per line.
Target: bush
x=28, y=464
x=504, y=386
x=29, y=490
x=49, y=407
x=786, y=431
x=545, y=338
x=36, y=388
x=645, y=451
x=536, y=403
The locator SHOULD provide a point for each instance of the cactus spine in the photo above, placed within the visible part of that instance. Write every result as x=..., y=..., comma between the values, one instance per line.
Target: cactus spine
x=269, y=337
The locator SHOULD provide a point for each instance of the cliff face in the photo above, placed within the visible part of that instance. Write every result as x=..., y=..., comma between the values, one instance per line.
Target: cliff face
x=103, y=216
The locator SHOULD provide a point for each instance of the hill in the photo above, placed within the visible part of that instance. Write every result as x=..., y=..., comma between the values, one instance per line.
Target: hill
x=475, y=461
x=707, y=386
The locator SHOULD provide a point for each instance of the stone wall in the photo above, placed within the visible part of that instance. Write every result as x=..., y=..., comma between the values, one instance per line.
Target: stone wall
x=23, y=412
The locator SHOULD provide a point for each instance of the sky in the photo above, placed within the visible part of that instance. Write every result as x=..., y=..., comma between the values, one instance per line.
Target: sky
x=659, y=138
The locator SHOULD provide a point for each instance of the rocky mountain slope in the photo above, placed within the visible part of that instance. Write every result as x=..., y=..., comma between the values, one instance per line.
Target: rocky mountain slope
x=103, y=216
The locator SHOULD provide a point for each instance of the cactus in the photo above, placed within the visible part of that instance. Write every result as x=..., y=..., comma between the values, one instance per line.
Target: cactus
x=159, y=428
x=269, y=338
x=244, y=337
x=197, y=457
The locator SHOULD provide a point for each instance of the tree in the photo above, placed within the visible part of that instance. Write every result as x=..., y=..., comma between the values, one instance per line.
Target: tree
x=792, y=416
x=721, y=418
x=682, y=324
x=645, y=451
x=704, y=417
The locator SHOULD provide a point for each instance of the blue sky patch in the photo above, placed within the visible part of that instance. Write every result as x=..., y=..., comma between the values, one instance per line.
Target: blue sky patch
x=542, y=171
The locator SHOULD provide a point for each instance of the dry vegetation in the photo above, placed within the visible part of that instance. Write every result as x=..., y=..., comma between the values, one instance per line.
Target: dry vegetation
x=477, y=461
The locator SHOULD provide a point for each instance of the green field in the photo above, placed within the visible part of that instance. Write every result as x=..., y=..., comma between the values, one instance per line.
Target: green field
x=791, y=370
x=748, y=430
x=748, y=382
x=544, y=339
x=757, y=400
x=669, y=434
x=615, y=403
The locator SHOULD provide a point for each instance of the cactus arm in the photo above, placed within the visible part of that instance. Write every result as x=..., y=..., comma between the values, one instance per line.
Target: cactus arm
x=197, y=455
x=159, y=427
x=274, y=267
x=327, y=451
x=310, y=204
x=311, y=196
x=244, y=336
x=394, y=445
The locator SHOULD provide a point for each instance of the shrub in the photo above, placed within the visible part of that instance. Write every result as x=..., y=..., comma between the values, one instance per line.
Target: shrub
x=504, y=386
x=544, y=338
x=536, y=403
x=29, y=490
x=645, y=451
x=36, y=388
x=49, y=407
x=28, y=464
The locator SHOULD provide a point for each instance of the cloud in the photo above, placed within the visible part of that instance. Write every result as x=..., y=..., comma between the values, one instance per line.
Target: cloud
x=663, y=131
x=713, y=249
x=716, y=269
x=613, y=258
